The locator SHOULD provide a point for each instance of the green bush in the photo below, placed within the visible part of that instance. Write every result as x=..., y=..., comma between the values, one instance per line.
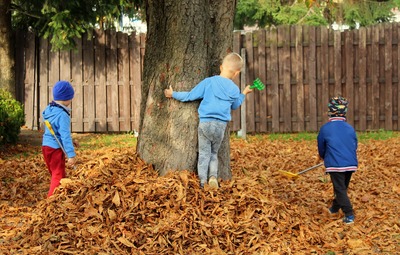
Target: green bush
x=12, y=117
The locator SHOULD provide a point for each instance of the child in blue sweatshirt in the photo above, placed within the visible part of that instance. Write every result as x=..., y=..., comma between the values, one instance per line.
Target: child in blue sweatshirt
x=219, y=95
x=58, y=114
x=337, y=146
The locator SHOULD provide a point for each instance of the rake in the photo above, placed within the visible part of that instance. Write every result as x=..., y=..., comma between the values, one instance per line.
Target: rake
x=295, y=175
x=257, y=84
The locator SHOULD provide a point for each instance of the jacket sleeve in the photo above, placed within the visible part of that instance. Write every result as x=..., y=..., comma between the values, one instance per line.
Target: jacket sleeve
x=238, y=102
x=65, y=136
x=196, y=93
x=321, y=144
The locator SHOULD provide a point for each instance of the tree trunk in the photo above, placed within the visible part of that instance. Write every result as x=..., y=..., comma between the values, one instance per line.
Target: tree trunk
x=7, y=75
x=186, y=41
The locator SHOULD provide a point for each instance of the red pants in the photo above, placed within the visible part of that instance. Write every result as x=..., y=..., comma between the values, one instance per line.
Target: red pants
x=55, y=161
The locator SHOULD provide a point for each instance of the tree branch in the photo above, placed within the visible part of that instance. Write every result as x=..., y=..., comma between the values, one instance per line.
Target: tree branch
x=306, y=15
x=14, y=7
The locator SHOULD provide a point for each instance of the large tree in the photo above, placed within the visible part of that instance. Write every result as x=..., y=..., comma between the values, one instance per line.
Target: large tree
x=7, y=75
x=186, y=41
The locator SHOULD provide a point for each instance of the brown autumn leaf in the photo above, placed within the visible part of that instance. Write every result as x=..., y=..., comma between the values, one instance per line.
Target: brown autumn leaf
x=114, y=203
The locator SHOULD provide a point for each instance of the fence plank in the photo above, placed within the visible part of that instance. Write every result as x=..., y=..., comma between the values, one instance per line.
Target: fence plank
x=100, y=81
x=395, y=79
x=349, y=78
x=256, y=93
x=298, y=65
x=76, y=78
x=398, y=77
x=362, y=80
x=30, y=86
x=135, y=44
x=111, y=81
x=123, y=82
x=375, y=79
x=65, y=65
x=236, y=45
x=89, y=123
x=274, y=90
x=324, y=72
x=312, y=81
x=43, y=76
x=54, y=71
x=284, y=59
x=65, y=72
x=250, y=117
x=262, y=76
x=388, y=78
x=337, y=47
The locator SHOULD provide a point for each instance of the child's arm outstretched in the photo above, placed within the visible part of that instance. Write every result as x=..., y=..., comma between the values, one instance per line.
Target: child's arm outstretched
x=196, y=93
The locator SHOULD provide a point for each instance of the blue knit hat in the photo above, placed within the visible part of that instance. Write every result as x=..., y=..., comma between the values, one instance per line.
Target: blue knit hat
x=337, y=107
x=63, y=91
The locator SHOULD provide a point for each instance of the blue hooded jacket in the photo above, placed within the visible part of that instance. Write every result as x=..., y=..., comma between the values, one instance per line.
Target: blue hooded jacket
x=337, y=145
x=59, y=118
x=218, y=97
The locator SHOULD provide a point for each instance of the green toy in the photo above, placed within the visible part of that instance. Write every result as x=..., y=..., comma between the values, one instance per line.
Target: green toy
x=257, y=84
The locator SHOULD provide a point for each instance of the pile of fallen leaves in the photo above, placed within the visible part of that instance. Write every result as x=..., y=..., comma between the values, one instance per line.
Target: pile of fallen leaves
x=114, y=203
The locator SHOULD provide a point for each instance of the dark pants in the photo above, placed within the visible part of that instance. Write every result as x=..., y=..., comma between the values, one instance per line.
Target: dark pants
x=340, y=183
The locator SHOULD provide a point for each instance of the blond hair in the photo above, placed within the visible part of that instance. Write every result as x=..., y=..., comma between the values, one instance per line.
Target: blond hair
x=232, y=62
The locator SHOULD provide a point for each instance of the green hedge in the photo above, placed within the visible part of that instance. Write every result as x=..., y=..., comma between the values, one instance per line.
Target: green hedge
x=12, y=117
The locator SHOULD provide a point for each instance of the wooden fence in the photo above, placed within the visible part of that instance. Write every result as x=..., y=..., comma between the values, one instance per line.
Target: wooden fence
x=302, y=68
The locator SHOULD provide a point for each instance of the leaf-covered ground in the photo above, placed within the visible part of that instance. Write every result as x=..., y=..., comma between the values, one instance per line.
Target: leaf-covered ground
x=113, y=203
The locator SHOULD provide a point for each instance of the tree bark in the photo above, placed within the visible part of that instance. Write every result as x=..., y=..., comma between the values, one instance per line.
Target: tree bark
x=186, y=41
x=7, y=75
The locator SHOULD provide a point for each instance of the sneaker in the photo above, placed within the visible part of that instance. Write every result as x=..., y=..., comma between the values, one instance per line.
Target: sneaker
x=332, y=211
x=213, y=182
x=202, y=183
x=348, y=219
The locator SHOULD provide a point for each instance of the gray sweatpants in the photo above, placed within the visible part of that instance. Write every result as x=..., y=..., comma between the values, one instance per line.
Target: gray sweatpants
x=210, y=136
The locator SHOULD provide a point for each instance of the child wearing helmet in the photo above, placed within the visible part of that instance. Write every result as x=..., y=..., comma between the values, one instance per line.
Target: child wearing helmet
x=337, y=146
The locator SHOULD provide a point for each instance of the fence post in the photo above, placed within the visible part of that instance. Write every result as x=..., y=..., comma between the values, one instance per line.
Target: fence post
x=242, y=132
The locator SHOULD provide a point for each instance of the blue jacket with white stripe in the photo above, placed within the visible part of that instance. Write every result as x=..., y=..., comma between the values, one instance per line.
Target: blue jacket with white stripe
x=337, y=145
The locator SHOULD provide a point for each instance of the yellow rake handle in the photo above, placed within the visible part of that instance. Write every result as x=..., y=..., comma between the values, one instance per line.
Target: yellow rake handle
x=295, y=175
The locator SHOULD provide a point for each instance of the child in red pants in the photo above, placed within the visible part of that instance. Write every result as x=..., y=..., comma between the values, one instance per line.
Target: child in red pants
x=54, y=149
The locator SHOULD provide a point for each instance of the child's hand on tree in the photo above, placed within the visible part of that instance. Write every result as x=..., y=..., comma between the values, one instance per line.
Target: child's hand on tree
x=168, y=92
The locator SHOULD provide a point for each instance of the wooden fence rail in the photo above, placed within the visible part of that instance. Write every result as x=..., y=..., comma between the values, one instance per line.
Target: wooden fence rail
x=302, y=67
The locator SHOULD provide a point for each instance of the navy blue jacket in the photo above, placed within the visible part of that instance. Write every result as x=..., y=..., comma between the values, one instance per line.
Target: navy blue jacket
x=337, y=145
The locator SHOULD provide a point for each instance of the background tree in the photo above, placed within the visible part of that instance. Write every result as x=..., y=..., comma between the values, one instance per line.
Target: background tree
x=60, y=20
x=63, y=21
x=313, y=12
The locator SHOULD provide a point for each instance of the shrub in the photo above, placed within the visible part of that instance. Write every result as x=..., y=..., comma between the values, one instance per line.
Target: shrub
x=12, y=117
